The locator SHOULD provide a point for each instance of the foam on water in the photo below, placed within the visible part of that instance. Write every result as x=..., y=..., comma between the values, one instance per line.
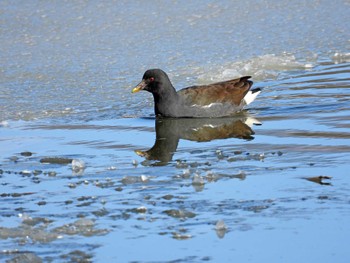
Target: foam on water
x=261, y=68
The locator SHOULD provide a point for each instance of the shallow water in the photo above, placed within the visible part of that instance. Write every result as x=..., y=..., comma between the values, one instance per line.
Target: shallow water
x=270, y=184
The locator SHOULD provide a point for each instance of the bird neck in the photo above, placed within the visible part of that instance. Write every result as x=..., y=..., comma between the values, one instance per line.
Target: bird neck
x=165, y=101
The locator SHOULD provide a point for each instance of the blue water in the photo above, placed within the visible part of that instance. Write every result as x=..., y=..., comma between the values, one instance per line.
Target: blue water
x=279, y=184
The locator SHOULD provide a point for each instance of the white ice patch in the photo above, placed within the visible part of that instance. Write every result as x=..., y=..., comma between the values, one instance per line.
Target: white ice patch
x=4, y=124
x=260, y=68
x=341, y=57
x=78, y=165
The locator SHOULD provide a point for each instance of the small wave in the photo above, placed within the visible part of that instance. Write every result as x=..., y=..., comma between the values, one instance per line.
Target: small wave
x=260, y=68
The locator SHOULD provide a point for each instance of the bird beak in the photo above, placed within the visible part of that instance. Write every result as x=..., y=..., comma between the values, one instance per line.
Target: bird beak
x=140, y=86
x=140, y=153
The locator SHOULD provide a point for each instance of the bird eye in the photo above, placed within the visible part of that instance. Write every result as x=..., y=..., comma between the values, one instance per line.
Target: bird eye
x=151, y=79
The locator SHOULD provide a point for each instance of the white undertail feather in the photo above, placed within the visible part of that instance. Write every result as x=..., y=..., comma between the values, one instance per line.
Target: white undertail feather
x=251, y=96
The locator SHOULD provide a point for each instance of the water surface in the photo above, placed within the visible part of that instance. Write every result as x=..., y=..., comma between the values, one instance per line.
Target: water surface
x=270, y=184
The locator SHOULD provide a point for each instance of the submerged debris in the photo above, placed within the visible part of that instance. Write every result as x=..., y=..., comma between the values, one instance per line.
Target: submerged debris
x=83, y=226
x=168, y=197
x=31, y=221
x=56, y=160
x=26, y=154
x=51, y=173
x=139, y=210
x=179, y=213
x=37, y=172
x=181, y=236
x=25, y=258
x=135, y=179
x=13, y=158
x=25, y=172
x=77, y=256
x=30, y=230
x=319, y=179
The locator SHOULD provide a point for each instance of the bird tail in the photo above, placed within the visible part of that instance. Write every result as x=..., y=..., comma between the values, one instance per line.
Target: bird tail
x=251, y=95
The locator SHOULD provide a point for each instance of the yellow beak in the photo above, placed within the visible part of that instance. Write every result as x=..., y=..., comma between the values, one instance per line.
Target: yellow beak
x=139, y=87
x=140, y=153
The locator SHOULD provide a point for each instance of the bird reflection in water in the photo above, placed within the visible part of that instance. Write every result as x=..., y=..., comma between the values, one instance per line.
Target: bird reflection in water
x=170, y=130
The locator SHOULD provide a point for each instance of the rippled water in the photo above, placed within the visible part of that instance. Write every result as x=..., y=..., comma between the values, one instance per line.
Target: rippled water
x=270, y=184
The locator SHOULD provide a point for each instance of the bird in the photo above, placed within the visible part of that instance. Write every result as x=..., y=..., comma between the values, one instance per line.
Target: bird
x=219, y=99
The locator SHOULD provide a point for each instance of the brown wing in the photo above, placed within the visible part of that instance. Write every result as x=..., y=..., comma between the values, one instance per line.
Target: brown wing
x=231, y=91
